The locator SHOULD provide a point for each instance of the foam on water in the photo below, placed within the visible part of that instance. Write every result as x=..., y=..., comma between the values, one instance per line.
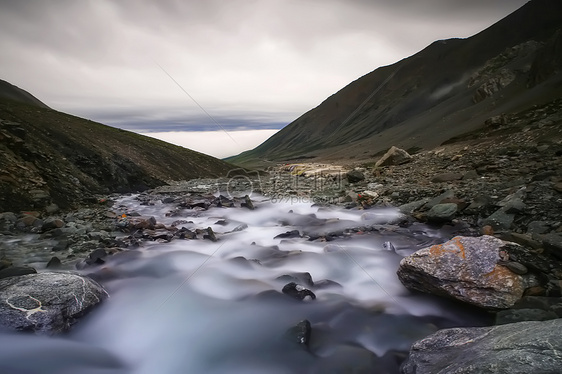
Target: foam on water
x=196, y=306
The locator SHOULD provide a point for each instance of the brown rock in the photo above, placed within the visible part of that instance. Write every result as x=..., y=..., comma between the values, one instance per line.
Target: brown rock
x=464, y=268
x=487, y=230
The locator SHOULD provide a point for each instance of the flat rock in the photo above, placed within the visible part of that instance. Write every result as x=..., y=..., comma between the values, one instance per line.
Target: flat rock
x=466, y=269
x=524, y=347
x=46, y=302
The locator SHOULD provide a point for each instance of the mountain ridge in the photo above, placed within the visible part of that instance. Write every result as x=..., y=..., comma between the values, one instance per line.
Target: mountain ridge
x=426, y=88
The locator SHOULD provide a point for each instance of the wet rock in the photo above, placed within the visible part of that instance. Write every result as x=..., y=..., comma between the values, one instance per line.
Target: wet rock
x=15, y=271
x=52, y=223
x=442, y=212
x=499, y=220
x=464, y=268
x=394, y=156
x=210, y=235
x=524, y=347
x=304, y=278
x=54, y=263
x=522, y=239
x=553, y=243
x=95, y=258
x=137, y=223
x=354, y=176
x=298, y=292
x=61, y=245
x=520, y=315
x=478, y=205
x=446, y=177
x=46, y=302
x=248, y=203
x=300, y=333
x=516, y=267
x=288, y=234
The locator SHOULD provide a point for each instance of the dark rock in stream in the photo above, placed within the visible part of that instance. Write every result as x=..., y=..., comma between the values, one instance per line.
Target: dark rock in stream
x=304, y=278
x=524, y=347
x=210, y=235
x=46, y=302
x=288, y=234
x=298, y=292
x=300, y=333
x=248, y=203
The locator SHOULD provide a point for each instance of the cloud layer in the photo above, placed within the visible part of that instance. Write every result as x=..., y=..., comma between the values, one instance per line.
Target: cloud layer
x=249, y=64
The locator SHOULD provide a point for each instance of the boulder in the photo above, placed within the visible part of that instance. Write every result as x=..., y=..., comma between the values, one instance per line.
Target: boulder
x=298, y=292
x=442, y=212
x=354, y=176
x=524, y=347
x=394, y=156
x=46, y=302
x=464, y=268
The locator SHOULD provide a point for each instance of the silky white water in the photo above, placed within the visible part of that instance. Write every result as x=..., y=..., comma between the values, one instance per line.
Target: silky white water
x=197, y=306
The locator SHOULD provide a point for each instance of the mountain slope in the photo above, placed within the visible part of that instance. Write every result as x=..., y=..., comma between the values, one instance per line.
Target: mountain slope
x=449, y=88
x=51, y=157
x=12, y=93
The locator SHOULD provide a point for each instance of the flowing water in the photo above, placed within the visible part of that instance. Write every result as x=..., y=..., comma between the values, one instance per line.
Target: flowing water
x=197, y=306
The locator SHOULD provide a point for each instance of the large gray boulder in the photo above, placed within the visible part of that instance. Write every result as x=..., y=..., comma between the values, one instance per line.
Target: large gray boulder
x=464, y=268
x=516, y=348
x=394, y=156
x=46, y=302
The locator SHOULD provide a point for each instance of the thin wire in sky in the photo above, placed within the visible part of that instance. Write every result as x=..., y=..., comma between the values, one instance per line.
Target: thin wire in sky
x=195, y=101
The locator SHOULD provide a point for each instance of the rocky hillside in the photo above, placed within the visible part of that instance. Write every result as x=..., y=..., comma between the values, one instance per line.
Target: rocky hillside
x=48, y=157
x=12, y=93
x=449, y=88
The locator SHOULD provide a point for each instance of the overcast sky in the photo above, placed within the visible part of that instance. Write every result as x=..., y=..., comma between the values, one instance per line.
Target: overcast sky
x=251, y=64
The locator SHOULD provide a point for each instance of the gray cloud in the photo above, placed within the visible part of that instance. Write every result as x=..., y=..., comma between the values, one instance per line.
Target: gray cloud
x=248, y=63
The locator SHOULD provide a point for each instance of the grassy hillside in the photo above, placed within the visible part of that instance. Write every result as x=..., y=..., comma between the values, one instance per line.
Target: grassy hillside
x=51, y=157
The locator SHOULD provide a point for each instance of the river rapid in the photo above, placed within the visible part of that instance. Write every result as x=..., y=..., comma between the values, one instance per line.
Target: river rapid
x=198, y=306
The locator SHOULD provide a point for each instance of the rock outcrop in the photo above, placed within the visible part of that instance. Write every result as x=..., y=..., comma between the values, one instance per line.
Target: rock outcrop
x=47, y=302
x=524, y=347
x=464, y=268
x=394, y=156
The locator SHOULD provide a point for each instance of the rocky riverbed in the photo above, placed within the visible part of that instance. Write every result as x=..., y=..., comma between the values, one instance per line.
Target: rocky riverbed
x=309, y=285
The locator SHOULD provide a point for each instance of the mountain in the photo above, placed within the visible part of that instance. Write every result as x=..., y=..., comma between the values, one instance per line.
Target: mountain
x=51, y=157
x=12, y=93
x=449, y=88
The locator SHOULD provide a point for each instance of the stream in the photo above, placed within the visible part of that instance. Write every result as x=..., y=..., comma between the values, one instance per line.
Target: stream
x=198, y=306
